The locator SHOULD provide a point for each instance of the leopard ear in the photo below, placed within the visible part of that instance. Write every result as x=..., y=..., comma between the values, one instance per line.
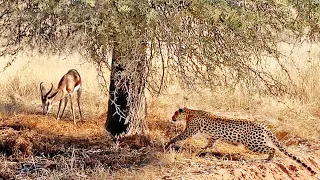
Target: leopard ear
x=180, y=110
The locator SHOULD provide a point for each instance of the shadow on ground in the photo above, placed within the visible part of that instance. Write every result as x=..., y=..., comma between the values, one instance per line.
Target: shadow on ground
x=33, y=142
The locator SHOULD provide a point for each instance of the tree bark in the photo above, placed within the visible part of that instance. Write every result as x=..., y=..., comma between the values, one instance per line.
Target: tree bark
x=127, y=102
x=138, y=103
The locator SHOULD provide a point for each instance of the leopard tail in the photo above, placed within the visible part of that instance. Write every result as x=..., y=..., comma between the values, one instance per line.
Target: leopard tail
x=282, y=149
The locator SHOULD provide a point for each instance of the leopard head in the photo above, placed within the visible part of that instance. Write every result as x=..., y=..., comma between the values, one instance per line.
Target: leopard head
x=180, y=114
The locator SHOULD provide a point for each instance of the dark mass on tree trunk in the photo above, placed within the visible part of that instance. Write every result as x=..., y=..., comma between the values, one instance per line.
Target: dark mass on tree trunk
x=118, y=104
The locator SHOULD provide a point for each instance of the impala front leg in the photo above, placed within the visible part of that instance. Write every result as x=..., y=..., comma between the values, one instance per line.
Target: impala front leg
x=59, y=109
x=65, y=105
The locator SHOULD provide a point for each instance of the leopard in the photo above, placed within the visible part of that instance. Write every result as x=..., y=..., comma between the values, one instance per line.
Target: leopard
x=255, y=136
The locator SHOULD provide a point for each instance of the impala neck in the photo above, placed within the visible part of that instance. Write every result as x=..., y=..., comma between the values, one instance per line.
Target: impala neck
x=57, y=95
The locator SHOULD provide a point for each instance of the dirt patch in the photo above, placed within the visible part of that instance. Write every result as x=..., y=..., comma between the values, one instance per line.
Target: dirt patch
x=50, y=145
x=134, y=142
x=33, y=145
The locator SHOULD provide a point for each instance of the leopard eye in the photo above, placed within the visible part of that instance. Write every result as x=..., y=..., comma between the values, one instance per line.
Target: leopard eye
x=180, y=110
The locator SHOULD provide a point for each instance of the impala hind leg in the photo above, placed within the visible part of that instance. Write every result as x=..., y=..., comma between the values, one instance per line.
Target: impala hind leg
x=78, y=100
x=72, y=109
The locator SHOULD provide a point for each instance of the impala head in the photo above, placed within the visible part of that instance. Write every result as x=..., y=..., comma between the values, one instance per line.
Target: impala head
x=180, y=114
x=46, y=99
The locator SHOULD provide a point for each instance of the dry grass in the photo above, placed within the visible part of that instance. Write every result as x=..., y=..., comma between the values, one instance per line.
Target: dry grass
x=20, y=87
x=36, y=146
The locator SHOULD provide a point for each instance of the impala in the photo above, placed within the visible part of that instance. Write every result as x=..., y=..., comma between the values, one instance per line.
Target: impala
x=68, y=85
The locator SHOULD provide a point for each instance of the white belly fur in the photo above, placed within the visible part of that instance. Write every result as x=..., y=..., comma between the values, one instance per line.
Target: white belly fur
x=76, y=88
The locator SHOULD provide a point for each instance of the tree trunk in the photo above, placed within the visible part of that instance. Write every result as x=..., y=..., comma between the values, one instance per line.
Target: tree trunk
x=127, y=102
x=138, y=103
x=118, y=104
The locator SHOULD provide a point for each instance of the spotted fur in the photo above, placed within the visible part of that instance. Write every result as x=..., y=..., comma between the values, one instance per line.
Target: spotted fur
x=253, y=135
